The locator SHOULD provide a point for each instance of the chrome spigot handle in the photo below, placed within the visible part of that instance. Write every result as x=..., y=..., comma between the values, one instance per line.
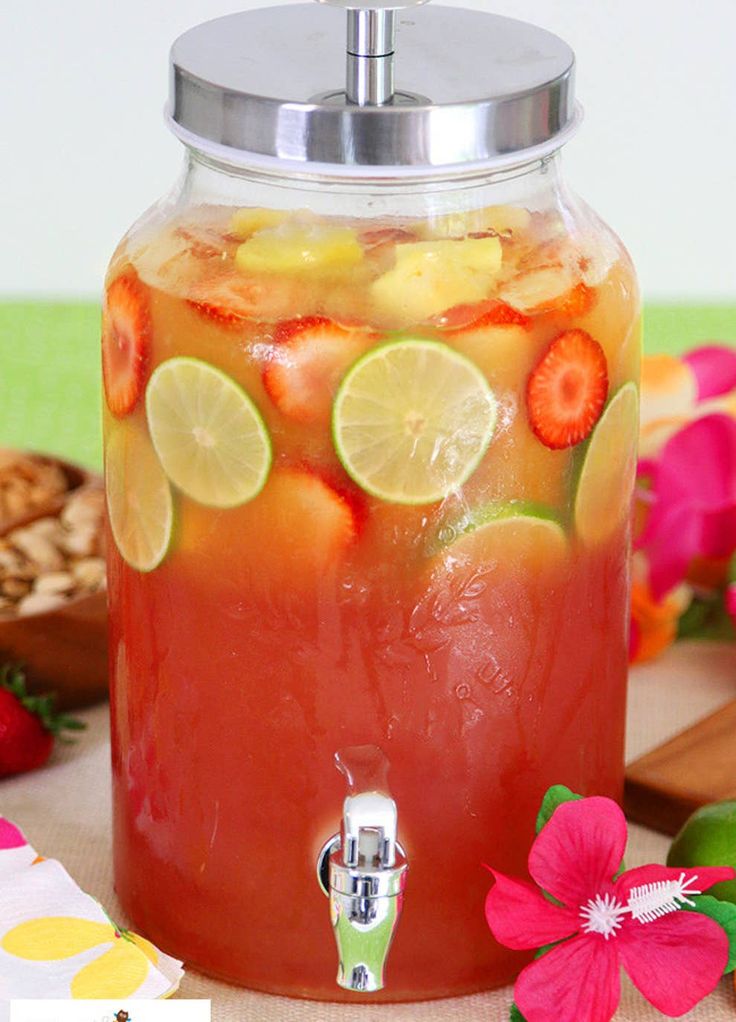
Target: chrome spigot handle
x=370, y=822
x=363, y=871
x=371, y=42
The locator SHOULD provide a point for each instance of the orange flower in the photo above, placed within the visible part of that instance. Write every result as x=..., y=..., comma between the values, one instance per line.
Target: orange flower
x=654, y=623
x=668, y=397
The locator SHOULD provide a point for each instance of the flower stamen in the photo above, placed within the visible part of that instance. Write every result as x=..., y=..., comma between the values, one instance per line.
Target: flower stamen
x=652, y=901
x=603, y=914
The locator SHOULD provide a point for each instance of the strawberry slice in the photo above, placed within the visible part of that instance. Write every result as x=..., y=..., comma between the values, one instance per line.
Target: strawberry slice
x=477, y=315
x=335, y=480
x=225, y=300
x=126, y=343
x=310, y=357
x=380, y=244
x=299, y=527
x=329, y=514
x=578, y=301
x=204, y=243
x=229, y=299
x=385, y=236
x=552, y=290
x=307, y=518
x=567, y=390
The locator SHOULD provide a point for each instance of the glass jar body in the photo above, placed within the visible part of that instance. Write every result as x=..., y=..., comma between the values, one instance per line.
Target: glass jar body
x=251, y=643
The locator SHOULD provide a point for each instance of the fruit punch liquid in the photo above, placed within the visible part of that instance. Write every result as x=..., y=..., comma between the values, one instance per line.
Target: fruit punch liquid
x=368, y=484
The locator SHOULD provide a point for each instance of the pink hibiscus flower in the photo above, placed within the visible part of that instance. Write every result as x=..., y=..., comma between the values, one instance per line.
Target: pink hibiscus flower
x=692, y=500
x=731, y=600
x=714, y=368
x=10, y=836
x=675, y=958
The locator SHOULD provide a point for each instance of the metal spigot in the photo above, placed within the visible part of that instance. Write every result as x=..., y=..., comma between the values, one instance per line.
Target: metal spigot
x=363, y=872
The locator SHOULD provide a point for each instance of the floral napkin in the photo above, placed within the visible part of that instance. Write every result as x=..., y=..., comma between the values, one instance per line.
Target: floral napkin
x=57, y=942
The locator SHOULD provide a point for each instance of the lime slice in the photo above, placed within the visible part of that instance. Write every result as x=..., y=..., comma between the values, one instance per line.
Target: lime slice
x=516, y=533
x=603, y=497
x=208, y=434
x=139, y=501
x=412, y=420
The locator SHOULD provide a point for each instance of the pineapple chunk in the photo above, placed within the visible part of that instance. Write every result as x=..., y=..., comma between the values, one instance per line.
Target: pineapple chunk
x=431, y=276
x=452, y=225
x=247, y=221
x=502, y=219
x=506, y=218
x=299, y=249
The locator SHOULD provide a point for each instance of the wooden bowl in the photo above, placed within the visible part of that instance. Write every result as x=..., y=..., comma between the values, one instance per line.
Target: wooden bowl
x=63, y=650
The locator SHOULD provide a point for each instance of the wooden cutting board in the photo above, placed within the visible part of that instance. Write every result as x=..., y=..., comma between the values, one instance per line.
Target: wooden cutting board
x=695, y=767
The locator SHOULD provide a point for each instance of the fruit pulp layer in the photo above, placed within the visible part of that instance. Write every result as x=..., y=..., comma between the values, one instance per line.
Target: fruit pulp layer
x=315, y=618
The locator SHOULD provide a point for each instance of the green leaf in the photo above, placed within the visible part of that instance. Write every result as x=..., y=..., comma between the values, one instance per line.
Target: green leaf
x=540, y=952
x=706, y=618
x=555, y=797
x=724, y=913
x=515, y=1015
x=694, y=619
x=13, y=680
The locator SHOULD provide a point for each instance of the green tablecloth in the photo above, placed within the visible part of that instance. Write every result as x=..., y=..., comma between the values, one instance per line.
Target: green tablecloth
x=50, y=379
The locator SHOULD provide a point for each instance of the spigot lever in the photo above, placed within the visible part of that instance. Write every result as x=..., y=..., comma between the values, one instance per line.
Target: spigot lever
x=370, y=822
x=363, y=871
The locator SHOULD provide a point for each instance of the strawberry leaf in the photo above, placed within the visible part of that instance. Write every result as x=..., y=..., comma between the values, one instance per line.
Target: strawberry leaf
x=554, y=797
x=13, y=680
x=515, y=1015
x=724, y=913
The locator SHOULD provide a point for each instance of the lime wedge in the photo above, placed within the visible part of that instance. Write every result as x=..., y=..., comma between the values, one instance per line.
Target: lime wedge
x=603, y=497
x=208, y=434
x=513, y=534
x=139, y=502
x=412, y=420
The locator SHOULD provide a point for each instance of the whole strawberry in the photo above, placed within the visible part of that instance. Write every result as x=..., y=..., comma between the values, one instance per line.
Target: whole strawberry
x=28, y=725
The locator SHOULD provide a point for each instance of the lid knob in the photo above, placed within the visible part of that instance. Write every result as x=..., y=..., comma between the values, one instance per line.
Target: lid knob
x=371, y=41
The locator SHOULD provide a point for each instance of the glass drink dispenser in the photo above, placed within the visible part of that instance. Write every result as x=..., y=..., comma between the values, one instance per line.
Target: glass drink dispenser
x=370, y=379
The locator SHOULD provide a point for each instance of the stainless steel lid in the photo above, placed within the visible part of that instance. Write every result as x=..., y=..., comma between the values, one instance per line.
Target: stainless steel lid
x=433, y=89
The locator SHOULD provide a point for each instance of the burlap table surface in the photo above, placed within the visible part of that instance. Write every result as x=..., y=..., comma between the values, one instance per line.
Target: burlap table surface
x=65, y=811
